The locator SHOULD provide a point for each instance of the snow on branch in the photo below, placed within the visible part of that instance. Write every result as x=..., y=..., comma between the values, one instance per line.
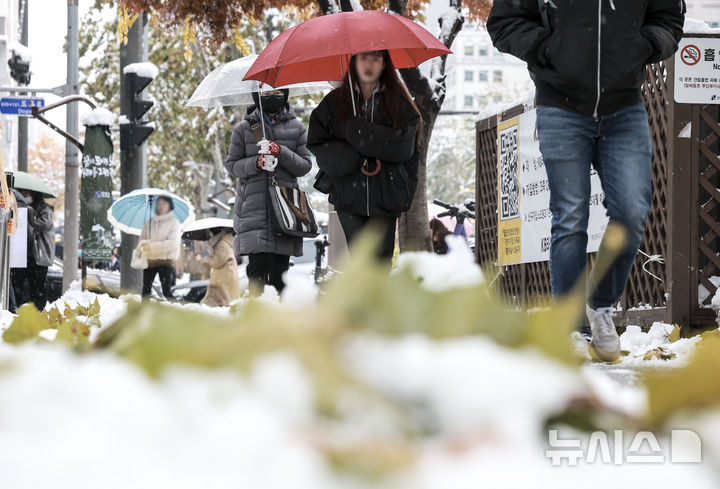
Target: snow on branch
x=430, y=92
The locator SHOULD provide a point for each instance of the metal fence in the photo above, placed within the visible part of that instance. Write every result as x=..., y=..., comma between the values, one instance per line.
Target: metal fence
x=683, y=225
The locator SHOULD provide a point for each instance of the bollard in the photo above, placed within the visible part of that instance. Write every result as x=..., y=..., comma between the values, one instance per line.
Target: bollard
x=4, y=261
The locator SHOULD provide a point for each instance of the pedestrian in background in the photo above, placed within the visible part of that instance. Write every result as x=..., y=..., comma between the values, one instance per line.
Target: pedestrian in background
x=224, y=285
x=438, y=233
x=30, y=283
x=160, y=245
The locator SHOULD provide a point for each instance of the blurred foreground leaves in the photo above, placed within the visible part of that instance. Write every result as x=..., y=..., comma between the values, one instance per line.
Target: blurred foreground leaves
x=72, y=324
x=365, y=299
x=694, y=386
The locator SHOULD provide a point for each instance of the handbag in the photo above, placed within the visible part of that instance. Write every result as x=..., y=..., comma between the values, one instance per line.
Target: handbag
x=138, y=260
x=291, y=212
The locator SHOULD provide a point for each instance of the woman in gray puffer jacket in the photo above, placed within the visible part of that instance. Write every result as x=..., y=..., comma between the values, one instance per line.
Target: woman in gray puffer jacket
x=268, y=252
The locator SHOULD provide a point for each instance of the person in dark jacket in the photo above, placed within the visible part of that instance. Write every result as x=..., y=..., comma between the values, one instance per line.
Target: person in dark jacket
x=15, y=272
x=438, y=233
x=588, y=63
x=30, y=283
x=283, y=153
x=371, y=159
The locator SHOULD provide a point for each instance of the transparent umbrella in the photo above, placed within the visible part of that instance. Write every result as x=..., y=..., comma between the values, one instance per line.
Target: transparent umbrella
x=225, y=86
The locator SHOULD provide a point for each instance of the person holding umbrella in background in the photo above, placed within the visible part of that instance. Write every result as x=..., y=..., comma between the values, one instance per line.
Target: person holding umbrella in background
x=30, y=283
x=156, y=216
x=160, y=245
x=364, y=135
x=224, y=285
x=269, y=141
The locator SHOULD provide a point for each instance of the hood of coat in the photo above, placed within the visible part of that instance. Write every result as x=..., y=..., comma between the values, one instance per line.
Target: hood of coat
x=286, y=113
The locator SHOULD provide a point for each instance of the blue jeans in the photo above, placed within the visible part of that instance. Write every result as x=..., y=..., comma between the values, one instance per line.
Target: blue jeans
x=618, y=146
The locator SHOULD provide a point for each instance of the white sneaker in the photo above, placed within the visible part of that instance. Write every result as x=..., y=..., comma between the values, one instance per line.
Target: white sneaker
x=605, y=340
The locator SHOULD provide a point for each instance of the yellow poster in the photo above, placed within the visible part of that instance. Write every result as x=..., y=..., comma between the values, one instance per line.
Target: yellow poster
x=508, y=172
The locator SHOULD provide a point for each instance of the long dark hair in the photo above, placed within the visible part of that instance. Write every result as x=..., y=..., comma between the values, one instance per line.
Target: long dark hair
x=392, y=106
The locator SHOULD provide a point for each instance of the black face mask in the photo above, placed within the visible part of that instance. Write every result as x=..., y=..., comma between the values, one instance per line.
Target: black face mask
x=272, y=103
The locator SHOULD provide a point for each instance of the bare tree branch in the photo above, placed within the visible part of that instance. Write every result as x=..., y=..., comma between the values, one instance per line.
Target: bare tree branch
x=451, y=23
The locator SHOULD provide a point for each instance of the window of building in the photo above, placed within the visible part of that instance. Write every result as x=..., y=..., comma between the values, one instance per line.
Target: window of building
x=468, y=101
x=483, y=76
x=469, y=50
x=497, y=99
x=468, y=75
x=497, y=76
x=497, y=53
x=483, y=51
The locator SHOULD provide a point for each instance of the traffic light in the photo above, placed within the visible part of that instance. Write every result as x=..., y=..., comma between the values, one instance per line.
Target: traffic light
x=19, y=68
x=133, y=129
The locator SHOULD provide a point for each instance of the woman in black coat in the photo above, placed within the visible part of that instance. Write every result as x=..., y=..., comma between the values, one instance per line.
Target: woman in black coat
x=369, y=161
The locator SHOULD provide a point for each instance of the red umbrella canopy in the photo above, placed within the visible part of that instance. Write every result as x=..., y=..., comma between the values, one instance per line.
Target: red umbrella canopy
x=319, y=48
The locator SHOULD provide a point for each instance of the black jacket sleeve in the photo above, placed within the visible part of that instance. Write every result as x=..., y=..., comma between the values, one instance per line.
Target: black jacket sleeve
x=515, y=27
x=386, y=143
x=663, y=27
x=333, y=154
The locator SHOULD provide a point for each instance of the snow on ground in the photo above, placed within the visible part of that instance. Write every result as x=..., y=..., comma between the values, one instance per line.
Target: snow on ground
x=96, y=420
x=71, y=422
x=68, y=421
x=438, y=272
x=638, y=343
x=697, y=26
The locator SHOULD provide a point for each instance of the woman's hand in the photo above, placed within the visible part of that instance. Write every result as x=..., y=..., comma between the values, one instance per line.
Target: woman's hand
x=268, y=147
x=266, y=162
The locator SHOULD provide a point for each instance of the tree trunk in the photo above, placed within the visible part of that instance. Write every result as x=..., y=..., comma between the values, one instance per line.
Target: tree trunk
x=413, y=226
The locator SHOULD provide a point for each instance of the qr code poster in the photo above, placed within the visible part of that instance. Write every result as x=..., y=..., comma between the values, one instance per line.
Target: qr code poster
x=524, y=217
x=509, y=223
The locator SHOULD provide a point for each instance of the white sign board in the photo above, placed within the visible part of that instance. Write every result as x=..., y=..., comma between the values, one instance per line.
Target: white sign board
x=697, y=71
x=18, y=241
x=524, y=223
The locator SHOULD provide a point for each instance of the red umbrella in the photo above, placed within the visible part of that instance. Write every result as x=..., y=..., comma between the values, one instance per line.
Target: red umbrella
x=319, y=48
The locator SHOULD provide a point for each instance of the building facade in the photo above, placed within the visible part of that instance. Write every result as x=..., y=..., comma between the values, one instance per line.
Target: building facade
x=479, y=75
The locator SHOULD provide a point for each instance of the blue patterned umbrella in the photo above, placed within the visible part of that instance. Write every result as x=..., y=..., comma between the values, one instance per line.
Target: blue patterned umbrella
x=130, y=212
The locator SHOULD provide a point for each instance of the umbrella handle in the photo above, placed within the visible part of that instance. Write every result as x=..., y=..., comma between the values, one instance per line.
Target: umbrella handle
x=367, y=173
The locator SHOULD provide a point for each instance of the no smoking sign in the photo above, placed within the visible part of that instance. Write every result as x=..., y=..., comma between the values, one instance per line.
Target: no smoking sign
x=690, y=55
x=697, y=71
